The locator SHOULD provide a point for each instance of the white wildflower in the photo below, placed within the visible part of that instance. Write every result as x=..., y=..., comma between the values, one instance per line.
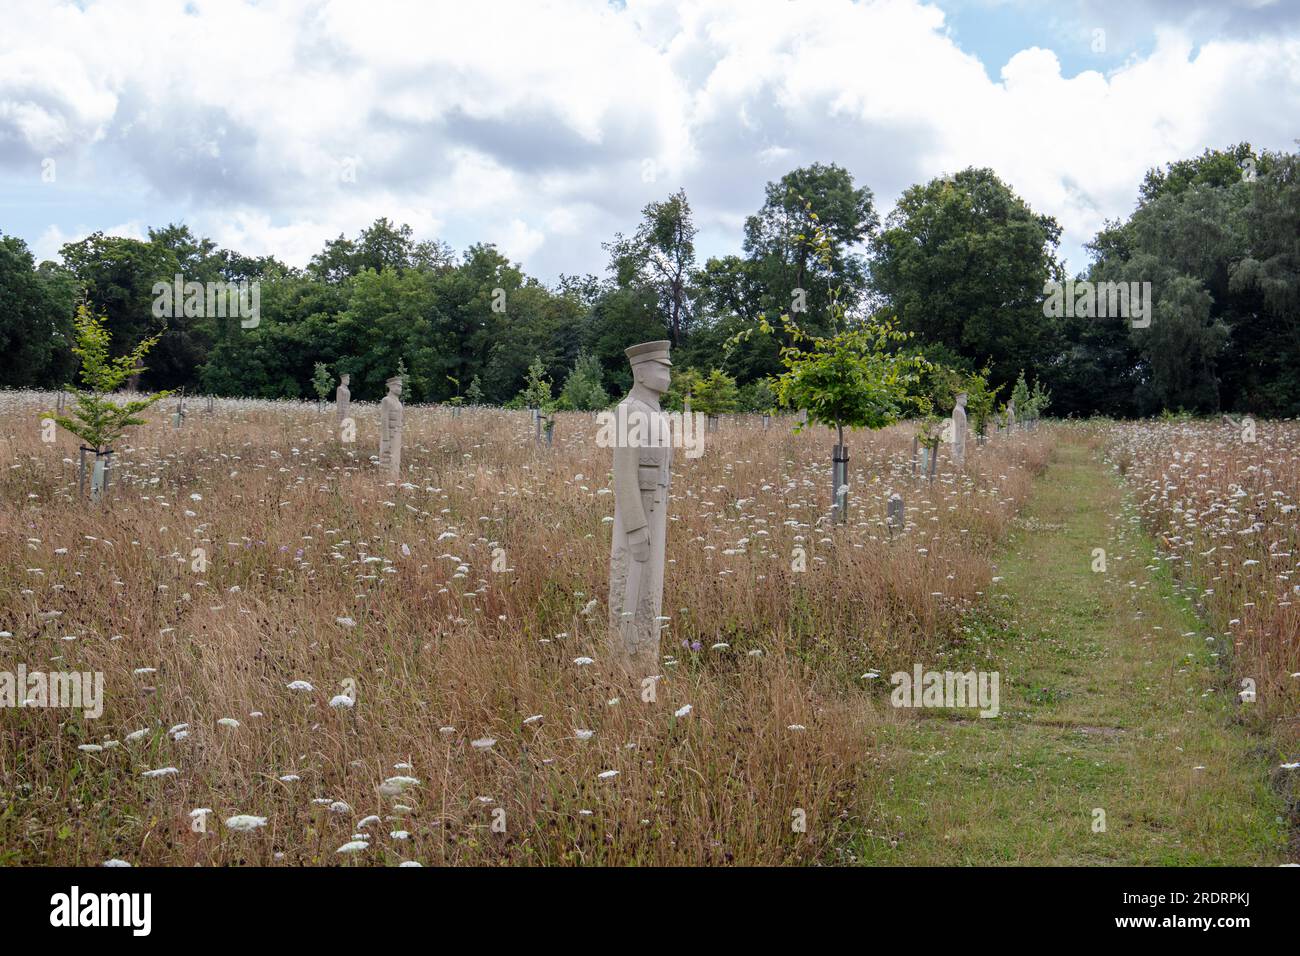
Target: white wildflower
x=245, y=823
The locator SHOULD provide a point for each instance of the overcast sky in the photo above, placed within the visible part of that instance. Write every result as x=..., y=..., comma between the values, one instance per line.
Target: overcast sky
x=545, y=127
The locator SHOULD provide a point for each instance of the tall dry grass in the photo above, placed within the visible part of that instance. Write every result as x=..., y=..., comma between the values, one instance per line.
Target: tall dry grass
x=1224, y=511
x=321, y=570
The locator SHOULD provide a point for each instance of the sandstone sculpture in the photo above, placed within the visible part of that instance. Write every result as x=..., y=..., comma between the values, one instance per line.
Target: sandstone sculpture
x=959, y=431
x=642, y=463
x=343, y=398
x=390, y=428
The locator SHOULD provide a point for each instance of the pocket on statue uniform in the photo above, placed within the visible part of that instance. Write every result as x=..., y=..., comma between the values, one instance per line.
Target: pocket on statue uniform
x=647, y=477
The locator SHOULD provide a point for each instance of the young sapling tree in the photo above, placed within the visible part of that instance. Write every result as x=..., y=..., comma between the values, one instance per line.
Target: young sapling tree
x=96, y=417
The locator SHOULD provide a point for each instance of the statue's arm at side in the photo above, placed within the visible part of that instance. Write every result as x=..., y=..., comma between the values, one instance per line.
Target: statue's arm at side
x=627, y=490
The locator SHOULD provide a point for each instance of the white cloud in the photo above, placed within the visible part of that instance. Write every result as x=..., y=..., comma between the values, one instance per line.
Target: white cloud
x=529, y=122
x=519, y=240
x=48, y=243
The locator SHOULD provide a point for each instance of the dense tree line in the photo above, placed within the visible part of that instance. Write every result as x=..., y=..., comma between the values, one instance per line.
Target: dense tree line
x=961, y=262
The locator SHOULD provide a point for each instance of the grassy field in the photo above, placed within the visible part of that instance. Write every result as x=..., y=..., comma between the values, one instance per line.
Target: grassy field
x=456, y=604
x=1220, y=501
x=454, y=610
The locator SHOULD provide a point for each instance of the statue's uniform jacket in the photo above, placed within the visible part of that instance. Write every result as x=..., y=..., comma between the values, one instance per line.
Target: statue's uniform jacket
x=642, y=473
x=959, y=434
x=342, y=402
x=390, y=433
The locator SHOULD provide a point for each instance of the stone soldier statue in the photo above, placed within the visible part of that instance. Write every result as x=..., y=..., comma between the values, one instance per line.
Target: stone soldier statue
x=959, y=431
x=343, y=398
x=642, y=460
x=1011, y=415
x=390, y=428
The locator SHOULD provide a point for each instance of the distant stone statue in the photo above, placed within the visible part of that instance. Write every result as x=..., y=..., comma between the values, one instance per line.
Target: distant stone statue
x=895, y=515
x=390, y=428
x=1011, y=415
x=343, y=398
x=642, y=463
x=959, y=431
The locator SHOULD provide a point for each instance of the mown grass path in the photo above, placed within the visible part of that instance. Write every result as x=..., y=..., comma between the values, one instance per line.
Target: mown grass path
x=1111, y=701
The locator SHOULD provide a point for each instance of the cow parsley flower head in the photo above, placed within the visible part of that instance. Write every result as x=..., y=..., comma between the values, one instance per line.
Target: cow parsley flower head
x=395, y=785
x=245, y=823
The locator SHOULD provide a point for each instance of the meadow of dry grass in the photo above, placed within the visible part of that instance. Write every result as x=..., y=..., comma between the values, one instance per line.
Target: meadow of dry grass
x=1223, y=510
x=321, y=570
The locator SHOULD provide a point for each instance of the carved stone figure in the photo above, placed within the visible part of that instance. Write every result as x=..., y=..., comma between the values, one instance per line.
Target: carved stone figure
x=642, y=463
x=390, y=428
x=959, y=431
x=343, y=398
x=1011, y=415
x=896, y=517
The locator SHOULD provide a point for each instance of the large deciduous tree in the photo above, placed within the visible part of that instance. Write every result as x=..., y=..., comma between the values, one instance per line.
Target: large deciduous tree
x=780, y=239
x=117, y=276
x=783, y=270
x=36, y=328
x=660, y=256
x=962, y=261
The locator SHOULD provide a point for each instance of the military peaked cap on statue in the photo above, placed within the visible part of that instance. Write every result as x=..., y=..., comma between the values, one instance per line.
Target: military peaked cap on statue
x=395, y=378
x=649, y=352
